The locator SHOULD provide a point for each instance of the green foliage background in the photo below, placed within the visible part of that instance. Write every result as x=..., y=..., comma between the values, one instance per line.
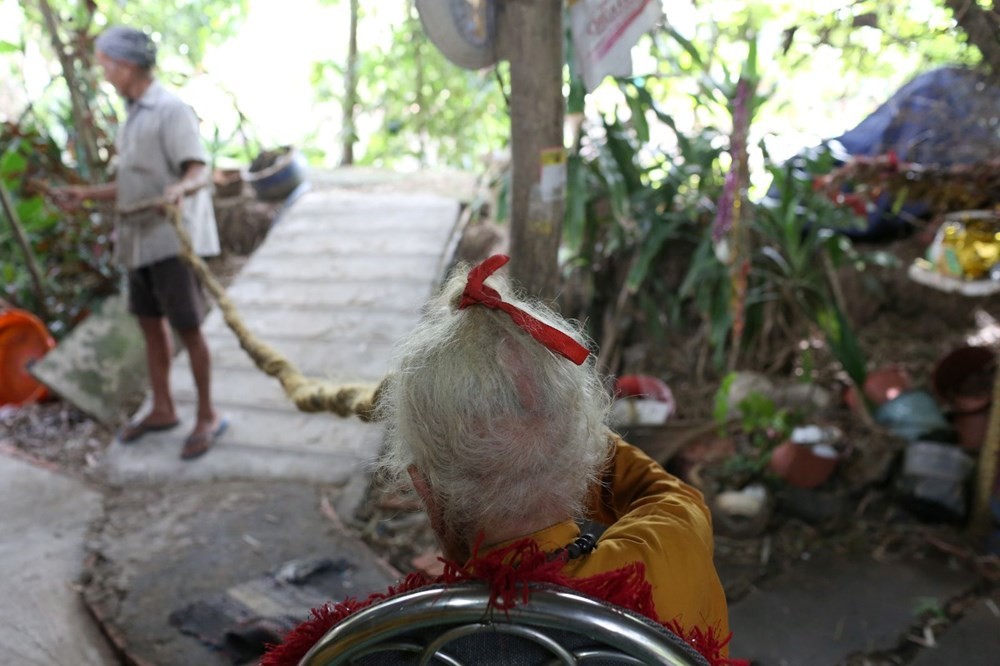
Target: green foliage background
x=646, y=169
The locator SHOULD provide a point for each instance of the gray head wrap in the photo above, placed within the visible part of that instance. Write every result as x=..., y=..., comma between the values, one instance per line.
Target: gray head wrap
x=122, y=43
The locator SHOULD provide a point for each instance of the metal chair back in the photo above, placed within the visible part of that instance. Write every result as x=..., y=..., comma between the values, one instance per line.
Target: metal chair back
x=455, y=626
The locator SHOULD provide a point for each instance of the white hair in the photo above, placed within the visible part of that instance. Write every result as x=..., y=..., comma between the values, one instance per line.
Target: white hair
x=502, y=428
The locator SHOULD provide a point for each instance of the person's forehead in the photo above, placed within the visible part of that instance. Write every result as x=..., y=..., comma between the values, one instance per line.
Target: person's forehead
x=105, y=59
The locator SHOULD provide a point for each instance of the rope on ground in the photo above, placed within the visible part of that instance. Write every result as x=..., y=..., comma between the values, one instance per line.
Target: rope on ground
x=308, y=394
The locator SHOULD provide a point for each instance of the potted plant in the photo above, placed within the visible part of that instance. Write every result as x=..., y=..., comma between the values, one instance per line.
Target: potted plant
x=735, y=486
x=807, y=458
x=275, y=174
x=758, y=428
x=963, y=379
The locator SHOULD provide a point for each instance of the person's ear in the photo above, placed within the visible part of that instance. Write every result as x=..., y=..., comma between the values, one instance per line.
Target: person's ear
x=452, y=545
x=423, y=488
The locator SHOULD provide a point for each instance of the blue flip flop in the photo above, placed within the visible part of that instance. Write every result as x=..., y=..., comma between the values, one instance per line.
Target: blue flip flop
x=198, y=445
x=133, y=432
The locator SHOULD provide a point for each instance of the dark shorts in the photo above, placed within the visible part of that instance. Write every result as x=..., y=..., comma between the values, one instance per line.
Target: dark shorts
x=167, y=288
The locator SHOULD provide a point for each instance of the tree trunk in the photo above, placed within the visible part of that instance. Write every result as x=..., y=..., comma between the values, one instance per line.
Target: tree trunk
x=981, y=26
x=83, y=118
x=351, y=89
x=530, y=37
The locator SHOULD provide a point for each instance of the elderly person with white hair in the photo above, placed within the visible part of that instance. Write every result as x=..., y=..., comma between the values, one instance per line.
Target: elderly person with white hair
x=497, y=415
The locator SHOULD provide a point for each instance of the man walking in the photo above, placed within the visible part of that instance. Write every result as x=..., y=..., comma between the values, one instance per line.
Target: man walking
x=160, y=155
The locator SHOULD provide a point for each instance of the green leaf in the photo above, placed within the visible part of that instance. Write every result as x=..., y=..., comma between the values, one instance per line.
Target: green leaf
x=624, y=154
x=576, y=203
x=30, y=210
x=639, y=122
x=12, y=163
x=9, y=47
x=650, y=249
x=686, y=44
x=842, y=341
x=720, y=409
x=503, y=199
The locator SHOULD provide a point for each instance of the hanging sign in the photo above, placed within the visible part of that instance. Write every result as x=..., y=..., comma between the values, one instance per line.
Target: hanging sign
x=604, y=32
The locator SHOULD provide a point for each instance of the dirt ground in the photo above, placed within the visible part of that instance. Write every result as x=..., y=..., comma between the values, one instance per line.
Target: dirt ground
x=898, y=322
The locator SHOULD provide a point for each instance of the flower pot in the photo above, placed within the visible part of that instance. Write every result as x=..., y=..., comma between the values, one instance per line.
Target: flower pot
x=804, y=465
x=881, y=386
x=963, y=379
x=912, y=415
x=971, y=427
x=965, y=372
x=227, y=182
x=274, y=175
x=23, y=340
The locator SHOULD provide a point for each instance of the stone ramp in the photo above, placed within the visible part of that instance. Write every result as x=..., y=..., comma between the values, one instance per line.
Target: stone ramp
x=340, y=278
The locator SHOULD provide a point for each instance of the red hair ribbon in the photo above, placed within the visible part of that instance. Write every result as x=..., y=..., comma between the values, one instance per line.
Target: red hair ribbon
x=477, y=293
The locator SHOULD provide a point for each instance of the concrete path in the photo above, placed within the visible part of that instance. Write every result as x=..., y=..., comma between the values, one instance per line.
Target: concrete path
x=828, y=609
x=340, y=278
x=45, y=518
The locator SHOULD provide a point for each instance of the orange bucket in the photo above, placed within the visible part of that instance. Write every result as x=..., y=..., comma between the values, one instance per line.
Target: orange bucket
x=23, y=340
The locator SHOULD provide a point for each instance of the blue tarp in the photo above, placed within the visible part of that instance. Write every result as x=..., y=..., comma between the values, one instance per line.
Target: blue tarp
x=943, y=117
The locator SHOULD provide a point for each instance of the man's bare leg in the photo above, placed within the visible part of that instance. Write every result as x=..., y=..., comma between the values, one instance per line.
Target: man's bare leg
x=207, y=419
x=159, y=353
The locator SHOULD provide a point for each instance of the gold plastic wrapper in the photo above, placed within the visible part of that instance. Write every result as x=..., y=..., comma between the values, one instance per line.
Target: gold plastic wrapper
x=968, y=245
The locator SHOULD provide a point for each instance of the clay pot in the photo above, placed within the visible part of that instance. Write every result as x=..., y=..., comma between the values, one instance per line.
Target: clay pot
x=971, y=428
x=963, y=379
x=804, y=465
x=881, y=386
x=227, y=182
x=965, y=374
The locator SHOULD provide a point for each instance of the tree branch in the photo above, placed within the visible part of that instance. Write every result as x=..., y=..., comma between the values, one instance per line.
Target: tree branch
x=22, y=240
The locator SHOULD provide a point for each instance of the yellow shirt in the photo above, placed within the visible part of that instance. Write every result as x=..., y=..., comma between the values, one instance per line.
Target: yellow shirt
x=657, y=519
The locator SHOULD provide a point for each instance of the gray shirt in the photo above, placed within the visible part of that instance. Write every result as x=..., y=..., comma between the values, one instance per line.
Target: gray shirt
x=159, y=135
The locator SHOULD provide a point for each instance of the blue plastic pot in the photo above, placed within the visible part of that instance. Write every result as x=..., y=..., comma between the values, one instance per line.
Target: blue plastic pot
x=912, y=415
x=276, y=182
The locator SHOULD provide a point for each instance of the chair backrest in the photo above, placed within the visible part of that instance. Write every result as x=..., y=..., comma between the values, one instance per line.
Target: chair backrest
x=455, y=625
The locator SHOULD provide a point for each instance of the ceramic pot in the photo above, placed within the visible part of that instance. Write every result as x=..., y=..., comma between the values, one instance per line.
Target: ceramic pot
x=803, y=465
x=881, y=386
x=912, y=415
x=227, y=182
x=963, y=378
x=280, y=178
x=971, y=427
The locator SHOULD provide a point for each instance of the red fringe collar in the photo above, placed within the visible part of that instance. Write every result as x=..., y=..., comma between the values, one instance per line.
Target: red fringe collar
x=508, y=571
